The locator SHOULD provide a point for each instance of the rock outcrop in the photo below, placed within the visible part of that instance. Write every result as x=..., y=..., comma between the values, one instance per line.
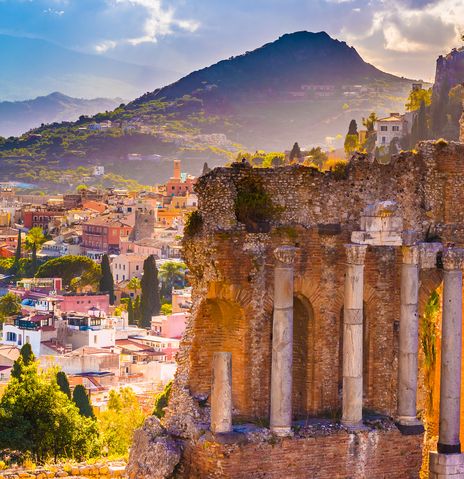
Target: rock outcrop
x=154, y=454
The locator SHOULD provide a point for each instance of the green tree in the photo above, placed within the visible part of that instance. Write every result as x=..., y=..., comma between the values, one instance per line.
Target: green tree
x=137, y=312
x=107, y=281
x=10, y=305
x=69, y=268
x=82, y=401
x=350, y=145
x=63, y=383
x=130, y=312
x=353, y=128
x=17, y=253
x=119, y=421
x=416, y=97
x=369, y=123
x=25, y=359
x=171, y=274
x=295, y=153
x=38, y=419
x=150, y=303
x=166, y=309
x=34, y=240
x=134, y=285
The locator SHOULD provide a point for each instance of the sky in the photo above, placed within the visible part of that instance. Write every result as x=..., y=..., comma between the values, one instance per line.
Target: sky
x=403, y=37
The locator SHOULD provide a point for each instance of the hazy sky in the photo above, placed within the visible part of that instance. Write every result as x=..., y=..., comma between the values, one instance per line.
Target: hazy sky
x=399, y=36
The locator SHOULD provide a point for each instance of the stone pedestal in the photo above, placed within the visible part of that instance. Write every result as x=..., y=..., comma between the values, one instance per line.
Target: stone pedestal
x=282, y=342
x=408, y=341
x=353, y=336
x=451, y=346
x=443, y=466
x=221, y=393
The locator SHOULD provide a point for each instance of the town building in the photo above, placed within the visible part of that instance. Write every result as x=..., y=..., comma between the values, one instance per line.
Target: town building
x=390, y=128
x=103, y=234
x=127, y=266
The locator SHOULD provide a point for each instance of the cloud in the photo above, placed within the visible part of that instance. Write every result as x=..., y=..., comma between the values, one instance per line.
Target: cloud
x=159, y=21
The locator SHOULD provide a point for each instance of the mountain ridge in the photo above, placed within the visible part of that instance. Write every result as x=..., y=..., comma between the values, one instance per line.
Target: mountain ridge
x=18, y=117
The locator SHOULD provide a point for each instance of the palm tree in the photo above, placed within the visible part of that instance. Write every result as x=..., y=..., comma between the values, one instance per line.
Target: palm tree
x=134, y=285
x=171, y=273
x=34, y=240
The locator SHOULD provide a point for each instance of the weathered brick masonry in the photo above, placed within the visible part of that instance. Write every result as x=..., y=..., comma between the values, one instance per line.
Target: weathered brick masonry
x=231, y=270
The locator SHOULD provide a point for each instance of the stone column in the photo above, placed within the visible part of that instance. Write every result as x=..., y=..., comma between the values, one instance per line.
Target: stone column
x=282, y=342
x=353, y=335
x=221, y=393
x=409, y=339
x=451, y=346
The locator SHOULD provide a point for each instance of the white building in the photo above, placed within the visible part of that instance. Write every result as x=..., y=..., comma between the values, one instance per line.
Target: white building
x=81, y=330
x=98, y=170
x=389, y=128
x=127, y=266
x=31, y=329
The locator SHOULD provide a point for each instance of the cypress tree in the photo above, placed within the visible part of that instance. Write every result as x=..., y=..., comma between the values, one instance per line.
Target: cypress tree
x=106, y=281
x=422, y=132
x=82, y=401
x=150, y=303
x=295, y=154
x=17, y=253
x=137, y=315
x=63, y=383
x=353, y=128
x=130, y=312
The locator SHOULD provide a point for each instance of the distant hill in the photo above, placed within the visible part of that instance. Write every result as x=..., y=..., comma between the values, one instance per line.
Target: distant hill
x=17, y=117
x=31, y=67
x=302, y=87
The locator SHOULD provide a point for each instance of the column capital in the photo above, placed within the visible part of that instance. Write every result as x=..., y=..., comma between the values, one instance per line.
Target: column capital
x=285, y=254
x=411, y=254
x=355, y=253
x=453, y=258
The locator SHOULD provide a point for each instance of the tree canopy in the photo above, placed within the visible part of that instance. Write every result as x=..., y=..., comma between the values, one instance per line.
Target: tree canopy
x=82, y=401
x=70, y=267
x=10, y=305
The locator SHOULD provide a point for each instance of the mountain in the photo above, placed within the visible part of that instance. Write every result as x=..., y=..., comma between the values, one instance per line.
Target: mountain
x=302, y=87
x=17, y=117
x=33, y=67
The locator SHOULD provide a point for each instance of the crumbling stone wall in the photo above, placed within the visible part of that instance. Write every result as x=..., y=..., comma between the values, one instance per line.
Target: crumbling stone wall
x=231, y=271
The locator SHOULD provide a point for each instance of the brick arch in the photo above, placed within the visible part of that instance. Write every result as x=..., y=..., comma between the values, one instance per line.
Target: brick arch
x=430, y=280
x=221, y=325
x=303, y=357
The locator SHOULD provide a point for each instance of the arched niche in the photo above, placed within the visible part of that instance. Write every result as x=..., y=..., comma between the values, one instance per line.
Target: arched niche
x=220, y=326
x=303, y=357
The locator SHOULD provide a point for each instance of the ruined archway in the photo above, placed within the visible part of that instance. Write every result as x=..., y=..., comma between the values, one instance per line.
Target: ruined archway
x=303, y=357
x=220, y=327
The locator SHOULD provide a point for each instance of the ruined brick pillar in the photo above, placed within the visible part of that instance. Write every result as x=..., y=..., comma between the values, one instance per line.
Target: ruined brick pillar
x=221, y=393
x=408, y=338
x=461, y=126
x=353, y=335
x=448, y=462
x=282, y=342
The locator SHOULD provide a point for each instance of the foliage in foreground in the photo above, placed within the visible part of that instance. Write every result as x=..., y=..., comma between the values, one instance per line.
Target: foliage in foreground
x=39, y=420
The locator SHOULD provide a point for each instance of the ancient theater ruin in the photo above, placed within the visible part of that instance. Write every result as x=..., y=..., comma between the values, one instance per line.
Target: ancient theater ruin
x=302, y=355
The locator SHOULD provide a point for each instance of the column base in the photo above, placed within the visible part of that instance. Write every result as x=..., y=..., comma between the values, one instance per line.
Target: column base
x=282, y=431
x=443, y=466
x=409, y=425
x=353, y=425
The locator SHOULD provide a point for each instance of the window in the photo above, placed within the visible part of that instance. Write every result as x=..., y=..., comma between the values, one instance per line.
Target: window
x=95, y=339
x=384, y=140
x=11, y=337
x=28, y=340
x=384, y=128
x=395, y=128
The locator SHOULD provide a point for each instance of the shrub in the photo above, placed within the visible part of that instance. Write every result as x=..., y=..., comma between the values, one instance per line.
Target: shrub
x=162, y=400
x=441, y=142
x=253, y=205
x=193, y=223
x=337, y=166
